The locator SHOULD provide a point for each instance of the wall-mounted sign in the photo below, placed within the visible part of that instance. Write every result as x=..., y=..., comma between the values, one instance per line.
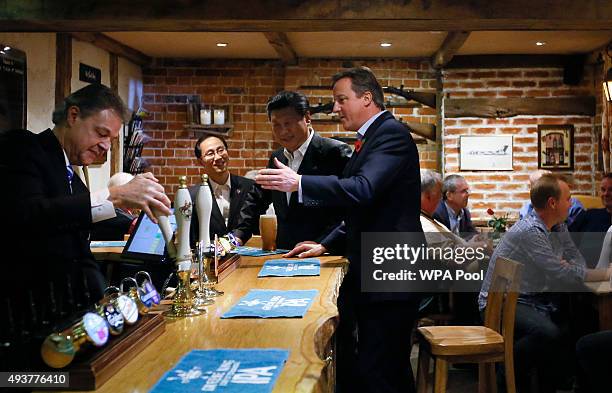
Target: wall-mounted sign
x=89, y=74
x=13, y=78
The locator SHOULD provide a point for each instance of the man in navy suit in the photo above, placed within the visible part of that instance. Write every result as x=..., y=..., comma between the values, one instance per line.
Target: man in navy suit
x=379, y=191
x=452, y=210
x=229, y=190
x=306, y=153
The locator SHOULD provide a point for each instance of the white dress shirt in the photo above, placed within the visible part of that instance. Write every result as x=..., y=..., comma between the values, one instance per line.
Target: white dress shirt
x=101, y=208
x=222, y=195
x=294, y=160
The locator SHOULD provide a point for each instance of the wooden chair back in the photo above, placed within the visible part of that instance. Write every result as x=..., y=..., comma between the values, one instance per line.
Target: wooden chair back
x=501, y=302
x=589, y=201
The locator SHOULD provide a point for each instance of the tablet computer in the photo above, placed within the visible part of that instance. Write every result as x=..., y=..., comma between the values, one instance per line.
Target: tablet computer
x=146, y=241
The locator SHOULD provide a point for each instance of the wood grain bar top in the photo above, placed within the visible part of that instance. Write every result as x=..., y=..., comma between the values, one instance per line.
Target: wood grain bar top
x=306, y=338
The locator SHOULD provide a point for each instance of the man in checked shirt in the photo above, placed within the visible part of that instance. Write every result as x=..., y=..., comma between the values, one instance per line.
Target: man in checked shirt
x=552, y=264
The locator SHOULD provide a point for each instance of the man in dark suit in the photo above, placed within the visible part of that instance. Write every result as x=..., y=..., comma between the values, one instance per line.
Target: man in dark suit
x=50, y=272
x=229, y=190
x=307, y=153
x=379, y=191
x=452, y=210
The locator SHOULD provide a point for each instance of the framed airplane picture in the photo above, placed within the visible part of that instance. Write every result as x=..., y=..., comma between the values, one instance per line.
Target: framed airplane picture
x=556, y=147
x=485, y=153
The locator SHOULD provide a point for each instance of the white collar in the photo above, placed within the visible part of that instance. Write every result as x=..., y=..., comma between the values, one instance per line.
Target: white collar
x=228, y=183
x=362, y=130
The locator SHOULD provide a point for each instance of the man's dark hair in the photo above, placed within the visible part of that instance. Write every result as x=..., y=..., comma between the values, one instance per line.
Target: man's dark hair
x=545, y=187
x=198, y=150
x=90, y=100
x=362, y=81
x=288, y=99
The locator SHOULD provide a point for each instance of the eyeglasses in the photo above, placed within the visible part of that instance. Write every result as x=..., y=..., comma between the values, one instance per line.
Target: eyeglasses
x=211, y=153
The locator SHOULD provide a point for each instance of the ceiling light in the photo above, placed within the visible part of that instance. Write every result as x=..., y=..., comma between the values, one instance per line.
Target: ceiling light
x=385, y=44
x=222, y=44
x=6, y=48
x=540, y=43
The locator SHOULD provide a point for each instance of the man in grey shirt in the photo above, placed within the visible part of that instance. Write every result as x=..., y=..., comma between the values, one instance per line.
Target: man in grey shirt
x=551, y=263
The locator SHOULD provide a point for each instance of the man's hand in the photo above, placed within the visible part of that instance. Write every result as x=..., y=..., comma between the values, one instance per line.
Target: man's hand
x=282, y=179
x=306, y=249
x=142, y=192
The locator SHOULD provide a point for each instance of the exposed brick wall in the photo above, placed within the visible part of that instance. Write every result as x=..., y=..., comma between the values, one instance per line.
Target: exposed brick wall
x=247, y=85
x=506, y=191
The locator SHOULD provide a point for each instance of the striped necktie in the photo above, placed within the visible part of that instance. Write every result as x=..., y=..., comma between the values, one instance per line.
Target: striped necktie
x=70, y=176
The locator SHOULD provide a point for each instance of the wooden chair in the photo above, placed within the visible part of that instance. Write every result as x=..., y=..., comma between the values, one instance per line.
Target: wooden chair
x=589, y=201
x=484, y=345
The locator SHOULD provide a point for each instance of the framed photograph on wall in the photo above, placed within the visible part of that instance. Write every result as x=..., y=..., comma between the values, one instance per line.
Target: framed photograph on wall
x=485, y=153
x=556, y=147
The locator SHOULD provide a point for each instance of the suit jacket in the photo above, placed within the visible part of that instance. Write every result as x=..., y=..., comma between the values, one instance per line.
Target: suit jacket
x=297, y=222
x=465, y=226
x=48, y=243
x=239, y=188
x=380, y=192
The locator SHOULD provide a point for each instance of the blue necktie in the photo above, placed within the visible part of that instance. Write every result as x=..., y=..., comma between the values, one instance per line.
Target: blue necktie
x=70, y=176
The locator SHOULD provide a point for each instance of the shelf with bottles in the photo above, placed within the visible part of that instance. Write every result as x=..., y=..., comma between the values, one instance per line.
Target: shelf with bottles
x=210, y=119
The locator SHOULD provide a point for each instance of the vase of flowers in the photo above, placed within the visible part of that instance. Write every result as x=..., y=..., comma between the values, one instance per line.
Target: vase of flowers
x=499, y=224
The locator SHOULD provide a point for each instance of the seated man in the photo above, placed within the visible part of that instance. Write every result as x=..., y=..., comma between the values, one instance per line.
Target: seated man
x=541, y=242
x=588, y=230
x=452, y=210
x=436, y=233
x=575, y=209
x=229, y=190
x=439, y=236
x=306, y=153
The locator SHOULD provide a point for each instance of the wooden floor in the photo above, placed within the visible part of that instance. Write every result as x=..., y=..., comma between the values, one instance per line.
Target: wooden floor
x=460, y=380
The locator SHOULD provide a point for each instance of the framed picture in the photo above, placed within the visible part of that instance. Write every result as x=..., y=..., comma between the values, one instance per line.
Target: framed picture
x=556, y=147
x=485, y=153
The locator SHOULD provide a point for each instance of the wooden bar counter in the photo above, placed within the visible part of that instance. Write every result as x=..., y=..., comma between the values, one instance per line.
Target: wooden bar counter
x=308, y=339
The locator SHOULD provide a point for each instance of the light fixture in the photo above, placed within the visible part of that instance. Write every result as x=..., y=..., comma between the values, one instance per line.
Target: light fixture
x=222, y=44
x=607, y=85
x=6, y=48
x=540, y=43
x=385, y=44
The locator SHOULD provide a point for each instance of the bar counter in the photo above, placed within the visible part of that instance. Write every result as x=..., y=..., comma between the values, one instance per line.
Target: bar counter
x=308, y=339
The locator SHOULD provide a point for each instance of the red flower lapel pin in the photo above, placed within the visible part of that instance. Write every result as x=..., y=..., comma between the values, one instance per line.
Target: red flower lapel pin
x=358, y=144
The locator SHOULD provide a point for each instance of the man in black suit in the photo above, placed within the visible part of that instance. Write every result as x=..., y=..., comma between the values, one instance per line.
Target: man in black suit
x=307, y=153
x=379, y=191
x=452, y=210
x=229, y=190
x=49, y=271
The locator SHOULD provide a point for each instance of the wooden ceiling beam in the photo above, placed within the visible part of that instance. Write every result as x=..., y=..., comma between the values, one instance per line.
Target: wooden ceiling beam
x=313, y=15
x=510, y=107
x=282, y=46
x=453, y=41
x=113, y=46
x=507, y=61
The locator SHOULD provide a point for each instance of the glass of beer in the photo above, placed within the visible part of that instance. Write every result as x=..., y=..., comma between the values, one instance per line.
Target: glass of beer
x=267, y=229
